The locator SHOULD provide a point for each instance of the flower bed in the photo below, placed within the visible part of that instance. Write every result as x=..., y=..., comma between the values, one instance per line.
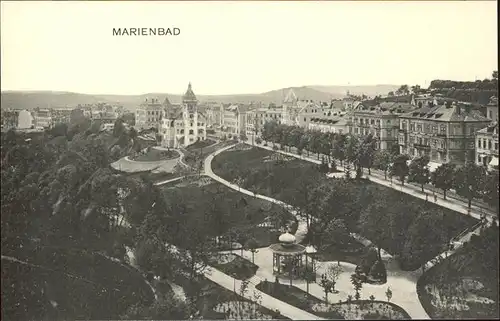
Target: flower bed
x=236, y=266
x=353, y=310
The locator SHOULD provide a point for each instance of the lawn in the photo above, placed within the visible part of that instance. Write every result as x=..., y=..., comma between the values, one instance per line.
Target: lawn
x=464, y=285
x=153, y=155
x=70, y=284
x=215, y=301
x=362, y=309
x=201, y=144
x=242, y=213
x=264, y=172
x=236, y=266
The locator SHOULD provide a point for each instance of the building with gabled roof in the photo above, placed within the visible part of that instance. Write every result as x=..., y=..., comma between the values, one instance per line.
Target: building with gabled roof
x=444, y=132
x=182, y=125
x=381, y=120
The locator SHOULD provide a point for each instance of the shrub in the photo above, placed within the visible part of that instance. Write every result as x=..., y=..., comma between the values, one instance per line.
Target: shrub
x=368, y=260
x=378, y=271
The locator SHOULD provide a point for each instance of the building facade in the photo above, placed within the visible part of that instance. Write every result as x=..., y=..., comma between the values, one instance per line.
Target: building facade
x=487, y=146
x=234, y=120
x=25, y=120
x=382, y=121
x=445, y=133
x=149, y=114
x=42, y=118
x=337, y=124
x=181, y=126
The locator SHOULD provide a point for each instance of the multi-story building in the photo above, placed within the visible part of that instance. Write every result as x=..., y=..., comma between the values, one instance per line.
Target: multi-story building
x=42, y=118
x=214, y=113
x=444, y=132
x=382, y=121
x=335, y=124
x=234, y=119
x=182, y=125
x=487, y=146
x=25, y=120
x=299, y=112
x=149, y=114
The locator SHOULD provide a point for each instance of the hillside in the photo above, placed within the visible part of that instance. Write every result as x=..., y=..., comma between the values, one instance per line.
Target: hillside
x=369, y=91
x=33, y=99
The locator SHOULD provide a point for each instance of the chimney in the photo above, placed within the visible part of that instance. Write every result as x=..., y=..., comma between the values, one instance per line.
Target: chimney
x=456, y=107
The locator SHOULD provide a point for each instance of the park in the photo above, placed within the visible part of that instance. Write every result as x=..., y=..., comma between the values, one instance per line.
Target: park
x=226, y=229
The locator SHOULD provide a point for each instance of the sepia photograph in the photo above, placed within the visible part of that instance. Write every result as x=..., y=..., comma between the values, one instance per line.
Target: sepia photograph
x=249, y=160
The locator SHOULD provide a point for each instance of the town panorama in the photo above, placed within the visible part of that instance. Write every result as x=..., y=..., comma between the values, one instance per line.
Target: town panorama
x=381, y=207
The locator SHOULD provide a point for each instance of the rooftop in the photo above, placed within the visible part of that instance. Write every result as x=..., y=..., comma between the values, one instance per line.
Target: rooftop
x=447, y=112
x=189, y=96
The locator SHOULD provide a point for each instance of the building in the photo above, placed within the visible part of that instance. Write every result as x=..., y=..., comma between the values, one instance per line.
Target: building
x=492, y=109
x=234, y=120
x=182, y=125
x=42, y=118
x=487, y=146
x=214, y=113
x=382, y=121
x=25, y=120
x=149, y=114
x=336, y=124
x=445, y=133
x=296, y=112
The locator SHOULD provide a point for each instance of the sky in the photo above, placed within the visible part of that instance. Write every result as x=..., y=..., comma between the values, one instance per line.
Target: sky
x=243, y=47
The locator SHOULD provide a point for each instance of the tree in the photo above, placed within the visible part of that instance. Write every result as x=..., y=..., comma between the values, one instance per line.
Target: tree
x=339, y=144
x=494, y=75
x=258, y=140
x=415, y=89
x=491, y=190
x=443, y=177
x=118, y=128
x=252, y=246
x=418, y=171
x=423, y=237
x=391, y=94
x=329, y=279
x=375, y=226
x=367, y=151
x=403, y=90
x=388, y=294
x=382, y=160
x=243, y=137
x=399, y=168
x=357, y=285
x=469, y=180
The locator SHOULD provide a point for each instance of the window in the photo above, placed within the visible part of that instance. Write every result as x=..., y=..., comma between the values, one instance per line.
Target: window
x=434, y=129
x=412, y=127
x=372, y=121
x=489, y=144
x=305, y=119
x=427, y=128
x=479, y=158
x=442, y=129
x=419, y=128
x=479, y=143
x=496, y=146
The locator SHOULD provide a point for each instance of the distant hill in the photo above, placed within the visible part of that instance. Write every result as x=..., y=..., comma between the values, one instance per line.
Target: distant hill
x=33, y=99
x=370, y=91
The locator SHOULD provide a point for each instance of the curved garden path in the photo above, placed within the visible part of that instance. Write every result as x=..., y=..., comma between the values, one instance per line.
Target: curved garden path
x=402, y=283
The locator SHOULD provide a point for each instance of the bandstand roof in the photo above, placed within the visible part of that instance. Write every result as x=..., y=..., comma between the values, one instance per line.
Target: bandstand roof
x=287, y=249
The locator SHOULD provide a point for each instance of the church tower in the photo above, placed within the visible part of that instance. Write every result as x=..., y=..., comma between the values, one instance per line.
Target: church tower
x=190, y=116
